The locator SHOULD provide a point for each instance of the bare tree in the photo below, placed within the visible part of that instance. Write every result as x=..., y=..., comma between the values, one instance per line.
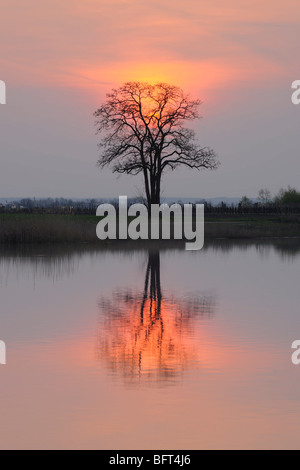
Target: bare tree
x=144, y=133
x=264, y=196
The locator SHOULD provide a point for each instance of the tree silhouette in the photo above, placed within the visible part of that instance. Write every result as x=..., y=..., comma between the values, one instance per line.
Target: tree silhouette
x=143, y=132
x=148, y=335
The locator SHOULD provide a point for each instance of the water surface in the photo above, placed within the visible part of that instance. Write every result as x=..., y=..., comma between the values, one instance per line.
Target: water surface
x=169, y=349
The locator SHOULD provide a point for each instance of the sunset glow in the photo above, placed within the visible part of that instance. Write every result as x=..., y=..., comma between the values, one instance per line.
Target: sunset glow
x=154, y=348
x=147, y=47
x=238, y=59
x=149, y=227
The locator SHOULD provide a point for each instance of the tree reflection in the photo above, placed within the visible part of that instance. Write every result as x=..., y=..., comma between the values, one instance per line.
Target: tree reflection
x=145, y=335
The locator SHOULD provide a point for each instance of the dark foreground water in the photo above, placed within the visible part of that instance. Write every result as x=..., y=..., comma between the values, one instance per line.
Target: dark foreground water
x=123, y=349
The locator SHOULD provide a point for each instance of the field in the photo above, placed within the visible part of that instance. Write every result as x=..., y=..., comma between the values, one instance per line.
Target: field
x=54, y=228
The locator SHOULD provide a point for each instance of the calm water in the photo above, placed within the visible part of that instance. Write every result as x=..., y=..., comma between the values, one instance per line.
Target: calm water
x=118, y=349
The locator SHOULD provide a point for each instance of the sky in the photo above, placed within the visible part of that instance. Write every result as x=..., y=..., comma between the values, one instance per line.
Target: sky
x=60, y=58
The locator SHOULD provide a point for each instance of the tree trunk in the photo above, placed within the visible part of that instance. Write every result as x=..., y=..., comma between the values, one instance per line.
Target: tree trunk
x=154, y=190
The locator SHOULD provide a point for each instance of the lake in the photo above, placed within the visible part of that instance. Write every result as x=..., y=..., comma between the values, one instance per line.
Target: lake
x=121, y=348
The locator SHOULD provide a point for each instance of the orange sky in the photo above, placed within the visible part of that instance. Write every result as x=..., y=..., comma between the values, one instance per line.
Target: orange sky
x=195, y=44
x=59, y=59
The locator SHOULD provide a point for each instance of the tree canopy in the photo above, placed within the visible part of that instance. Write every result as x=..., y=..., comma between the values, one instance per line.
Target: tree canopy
x=288, y=196
x=142, y=127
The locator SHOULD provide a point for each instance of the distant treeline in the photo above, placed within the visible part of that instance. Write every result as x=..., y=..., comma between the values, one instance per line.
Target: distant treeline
x=253, y=208
x=51, y=206
x=84, y=208
x=287, y=201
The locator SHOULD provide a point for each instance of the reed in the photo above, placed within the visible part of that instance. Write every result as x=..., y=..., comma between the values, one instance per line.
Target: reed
x=54, y=228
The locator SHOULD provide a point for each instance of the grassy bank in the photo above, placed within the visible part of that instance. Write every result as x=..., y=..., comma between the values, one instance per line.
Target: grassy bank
x=50, y=228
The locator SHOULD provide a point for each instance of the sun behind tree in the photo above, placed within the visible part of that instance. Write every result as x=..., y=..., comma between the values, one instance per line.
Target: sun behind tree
x=143, y=132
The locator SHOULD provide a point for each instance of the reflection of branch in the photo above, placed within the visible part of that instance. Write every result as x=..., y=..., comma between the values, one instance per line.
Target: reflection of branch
x=149, y=335
x=200, y=306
